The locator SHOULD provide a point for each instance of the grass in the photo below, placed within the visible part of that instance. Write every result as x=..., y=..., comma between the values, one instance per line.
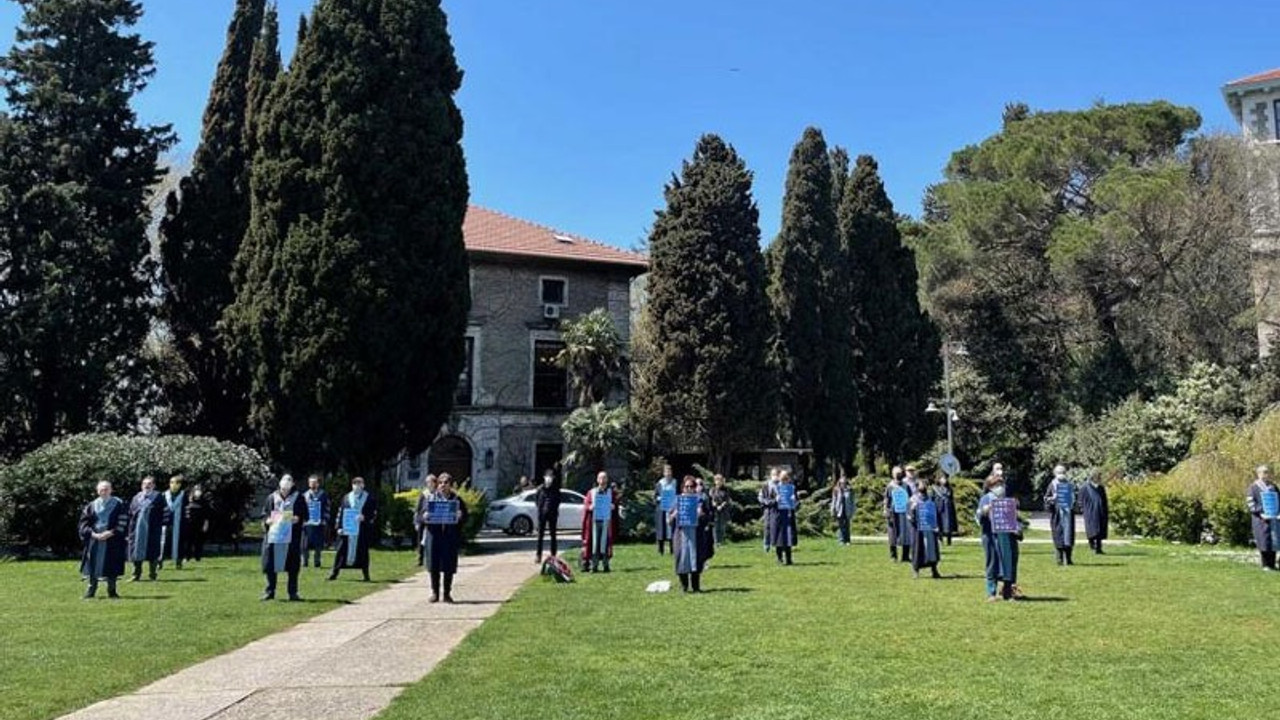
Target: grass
x=59, y=653
x=1146, y=631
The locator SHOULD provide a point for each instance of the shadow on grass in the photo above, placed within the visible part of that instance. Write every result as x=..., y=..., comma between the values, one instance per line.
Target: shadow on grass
x=813, y=563
x=323, y=601
x=959, y=577
x=1045, y=599
x=184, y=579
x=728, y=567
x=708, y=591
x=145, y=597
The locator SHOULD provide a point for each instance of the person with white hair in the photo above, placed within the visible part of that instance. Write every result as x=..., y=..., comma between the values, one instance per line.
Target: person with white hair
x=284, y=515
x=146, y=525
x=1060, y=502
x=1263, y=501
x=104, y=528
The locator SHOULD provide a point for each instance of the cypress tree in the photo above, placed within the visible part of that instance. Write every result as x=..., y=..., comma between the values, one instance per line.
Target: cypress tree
x=705, y=375
x=896, y=345
x=352, y=294
x=78, y=166
x=201, y=232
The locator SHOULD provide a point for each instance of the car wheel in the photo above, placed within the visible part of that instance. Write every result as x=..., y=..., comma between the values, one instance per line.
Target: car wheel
x=521, y=525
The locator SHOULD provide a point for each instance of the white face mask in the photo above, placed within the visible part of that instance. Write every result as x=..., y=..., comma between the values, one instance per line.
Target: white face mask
x=998, y=491
x=547, y=480
x=196, y=494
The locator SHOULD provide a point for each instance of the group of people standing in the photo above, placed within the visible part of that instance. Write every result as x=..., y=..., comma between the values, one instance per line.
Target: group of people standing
x=692, y=519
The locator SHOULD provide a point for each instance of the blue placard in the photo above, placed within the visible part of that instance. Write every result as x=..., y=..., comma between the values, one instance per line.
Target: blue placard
x=315, y=515
x=602, y=506
x=668, y=497
x=687, y=511
x=1066, y=494
x=927, y=517
x=786, y=496
x=442, y=512
x=1270, y=504
x=350, y=521
x=1004, y=516
x=900, y=499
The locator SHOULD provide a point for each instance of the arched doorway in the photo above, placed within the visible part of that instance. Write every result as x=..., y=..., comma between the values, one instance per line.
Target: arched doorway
x=450, y=454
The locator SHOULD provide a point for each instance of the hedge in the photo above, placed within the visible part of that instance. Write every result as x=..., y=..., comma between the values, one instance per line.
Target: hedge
x=42, y=494
x=1159, y=509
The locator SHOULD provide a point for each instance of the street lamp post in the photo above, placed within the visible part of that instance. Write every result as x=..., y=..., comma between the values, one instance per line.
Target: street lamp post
x=948, y=347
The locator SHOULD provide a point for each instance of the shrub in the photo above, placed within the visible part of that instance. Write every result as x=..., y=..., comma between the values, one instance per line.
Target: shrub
x=42, y=494
x=398, y=518
x=1152, y=509
x=1228, y=519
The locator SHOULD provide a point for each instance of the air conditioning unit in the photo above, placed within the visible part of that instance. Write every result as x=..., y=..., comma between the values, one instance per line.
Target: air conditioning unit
x=551, y=312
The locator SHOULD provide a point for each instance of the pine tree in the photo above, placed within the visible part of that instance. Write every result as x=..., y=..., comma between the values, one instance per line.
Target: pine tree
x=704, y=377
x=352, y=282
x=201, y=232
x=896, y=344
x=77, y=169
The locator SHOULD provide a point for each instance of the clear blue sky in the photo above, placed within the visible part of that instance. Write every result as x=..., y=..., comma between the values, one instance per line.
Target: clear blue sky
x=577, y=111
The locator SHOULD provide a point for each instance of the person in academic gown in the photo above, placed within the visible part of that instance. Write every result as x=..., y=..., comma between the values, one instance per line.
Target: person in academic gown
x=720, y=504
x=706, y=525
x=686, y=547
x=443, y=542
x=313, y=530
x=785, y=535
x=282, y=537
x=429, y=489
x=896, y=522
x=195, y=524
x=842, y=508
x=353, y=552
x=104, y=528
x=662, y=528
x=1266, y=531
x=175, y=527
x=924, y=545
x=768, y=499
x=1000, y=550
x=597, y=535
x=146, y=526
x=944, y=498
x=1062, y=515
x=547, y=501
x=1096, y=511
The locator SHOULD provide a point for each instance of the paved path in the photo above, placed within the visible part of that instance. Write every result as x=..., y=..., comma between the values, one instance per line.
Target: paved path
x=347, y=664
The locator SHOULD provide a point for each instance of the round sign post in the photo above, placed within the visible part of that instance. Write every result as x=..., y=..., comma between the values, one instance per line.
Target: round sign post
x=949, y=464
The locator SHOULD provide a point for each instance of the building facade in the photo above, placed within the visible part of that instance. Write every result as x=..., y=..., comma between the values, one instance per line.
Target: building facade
x=511, y=398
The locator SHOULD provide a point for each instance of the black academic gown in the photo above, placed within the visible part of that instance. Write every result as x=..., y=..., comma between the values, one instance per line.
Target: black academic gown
x=1264, y=539
x=1096, y=511
x=370, y=513
x=946, y=502
x=113, y=548
x=293, y=556
x=193, y=532
x=706, y=531
x=443, y=542
x=924, y=545
x=146, y=546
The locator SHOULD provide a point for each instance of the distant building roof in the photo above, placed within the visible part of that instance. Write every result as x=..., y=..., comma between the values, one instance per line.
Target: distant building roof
x=492, y=232
x=1266, y=77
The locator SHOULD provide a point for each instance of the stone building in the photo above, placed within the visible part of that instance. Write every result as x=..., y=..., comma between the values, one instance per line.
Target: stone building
x=511, y=398
x=1255, y=103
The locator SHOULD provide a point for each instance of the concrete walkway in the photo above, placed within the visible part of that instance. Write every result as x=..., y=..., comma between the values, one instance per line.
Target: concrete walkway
x=347, y=664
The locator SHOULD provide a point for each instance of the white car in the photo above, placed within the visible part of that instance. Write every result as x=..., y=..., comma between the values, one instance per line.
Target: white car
x=518, y=514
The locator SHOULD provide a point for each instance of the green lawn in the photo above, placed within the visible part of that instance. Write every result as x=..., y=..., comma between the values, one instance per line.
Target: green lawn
x=59, y=653
x=1142, y=632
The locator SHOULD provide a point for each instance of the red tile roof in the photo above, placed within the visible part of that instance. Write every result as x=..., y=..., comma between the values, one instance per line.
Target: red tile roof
x=1259, y=78
x=488, y=231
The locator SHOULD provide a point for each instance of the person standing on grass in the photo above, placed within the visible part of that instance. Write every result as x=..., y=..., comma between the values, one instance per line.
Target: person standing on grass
x=944, y=499
x=353, y=548
x=785, y=536
x=104, y=527
x=175, y=510
x=895, y=514
x=1096, y=511
x=706, y=525
x=284, y=514
x=923, y=519
x=768, y=499
x=313, y=531
x=599, y=523
x=842, y=508
x=686, y=544
x=720, y=506
x=547, y=500
x=443, y=540
x=429, y=488
x=197, y=524
x=663, y=496
x=1263, y=501
x=146, y=523
x=1000, y=549
x=1060, y=501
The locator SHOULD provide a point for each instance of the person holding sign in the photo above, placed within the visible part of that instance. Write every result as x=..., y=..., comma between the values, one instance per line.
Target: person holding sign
x=842, y=508
x=445, y=518
x=357, y=518
x=896, y=504
x=785, y=536
x=430, y=486
x=104, y=527
x=317, y=520
x=997, y=516
x=664, y=501
x=1264, y=506
x=686, y=545
x=923, y=518
x=1060, y=501
x=944, y=498
x=283, y=518
x=1096, y=511
x=768, y=499
x=599, y=524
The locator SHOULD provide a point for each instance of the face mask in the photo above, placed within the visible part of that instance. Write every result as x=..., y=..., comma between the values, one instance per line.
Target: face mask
x=998, y=491
x=197, y=494
x=358, y=489
x=547, y=480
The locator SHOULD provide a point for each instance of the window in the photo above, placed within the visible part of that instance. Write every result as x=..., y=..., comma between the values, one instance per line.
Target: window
x=462, y=395
x=555, y=291
x=1275, y=115
x=547, y=456
x=570, y=498
x=550, y=381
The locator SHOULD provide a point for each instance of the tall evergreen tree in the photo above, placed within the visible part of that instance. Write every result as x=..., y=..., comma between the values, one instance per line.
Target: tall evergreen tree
x=201, y=232
x=704, y=376
x=74, y=261
x=352, y=294
x=897, y=347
